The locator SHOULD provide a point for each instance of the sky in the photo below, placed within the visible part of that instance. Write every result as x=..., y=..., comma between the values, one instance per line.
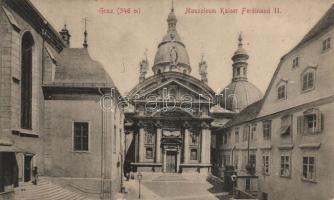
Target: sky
x=119, y=40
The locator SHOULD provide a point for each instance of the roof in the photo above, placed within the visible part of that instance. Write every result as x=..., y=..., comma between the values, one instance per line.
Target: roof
x=163, y=53
x=247, y=114
x=325, y=22
x=31, y=15
x=75, y=66
x=239, y=94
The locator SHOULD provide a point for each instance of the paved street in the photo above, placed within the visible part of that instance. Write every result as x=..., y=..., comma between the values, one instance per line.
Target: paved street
x=175, y=186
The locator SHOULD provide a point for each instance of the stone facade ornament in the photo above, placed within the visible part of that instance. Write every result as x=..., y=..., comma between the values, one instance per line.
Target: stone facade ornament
x=205, y=125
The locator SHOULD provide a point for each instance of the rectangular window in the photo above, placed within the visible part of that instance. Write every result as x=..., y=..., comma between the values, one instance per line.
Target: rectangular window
x=326, y=44
x=253, y=132
x=265, y=164
x=309, y=165
x=245, y=133
x=225, y=138
x=247, y=184
x=266, y=130
x=285, y=166
x=236, y=135
x=308, y=81
x=295, y=62
x=80, y=136
x=264, y=196
x=226, y=160
x=281, y=92
x=236, y=160
x=252, y=160
x=193, y=154
x=286, y=122
x=310, y=122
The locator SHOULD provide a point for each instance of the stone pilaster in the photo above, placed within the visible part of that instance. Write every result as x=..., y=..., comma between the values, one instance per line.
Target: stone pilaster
x=141, y=142
x=186, y=146
x=205, y=144
x=158, y=146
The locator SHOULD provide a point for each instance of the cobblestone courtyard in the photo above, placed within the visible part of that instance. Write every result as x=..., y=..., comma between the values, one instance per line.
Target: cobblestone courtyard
x=174, y=186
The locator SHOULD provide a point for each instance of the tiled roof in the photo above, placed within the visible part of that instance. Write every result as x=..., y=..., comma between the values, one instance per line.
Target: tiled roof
x=75, y=66
x=247, y=114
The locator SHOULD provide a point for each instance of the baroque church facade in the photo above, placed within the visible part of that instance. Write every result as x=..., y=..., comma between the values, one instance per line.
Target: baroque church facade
x=172, y=114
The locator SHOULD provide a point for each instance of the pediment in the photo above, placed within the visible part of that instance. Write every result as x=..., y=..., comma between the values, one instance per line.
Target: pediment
x=173, y=89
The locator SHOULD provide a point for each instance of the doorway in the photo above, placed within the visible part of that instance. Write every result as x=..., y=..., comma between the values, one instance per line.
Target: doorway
x=27, y=168
x=171, y=161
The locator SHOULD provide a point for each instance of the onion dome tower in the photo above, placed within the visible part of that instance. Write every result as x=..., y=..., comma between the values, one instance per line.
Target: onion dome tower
x=239, y=93
x=171, y=54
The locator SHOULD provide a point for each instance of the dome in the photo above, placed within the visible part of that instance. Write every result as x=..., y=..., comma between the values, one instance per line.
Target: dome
x=171, y=54
x=163, y=53
x=75, y=66
x=239, y=94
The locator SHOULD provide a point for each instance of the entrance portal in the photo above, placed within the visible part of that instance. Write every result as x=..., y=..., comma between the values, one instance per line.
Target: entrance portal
x=171, y=161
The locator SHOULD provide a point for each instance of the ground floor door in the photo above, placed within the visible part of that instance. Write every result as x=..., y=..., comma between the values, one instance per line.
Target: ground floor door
x=171, y=161
x=27, y=168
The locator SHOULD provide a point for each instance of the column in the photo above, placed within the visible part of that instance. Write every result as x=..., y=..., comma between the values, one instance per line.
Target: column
x=141, y=144
x=164, y=160
x=178, y=160
x=205, y=145
x=203, y=148
x=186, y=146
x=157, y=147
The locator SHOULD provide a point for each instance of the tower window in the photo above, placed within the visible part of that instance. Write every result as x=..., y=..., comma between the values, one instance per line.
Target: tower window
x=26, y=80
x=159, y=71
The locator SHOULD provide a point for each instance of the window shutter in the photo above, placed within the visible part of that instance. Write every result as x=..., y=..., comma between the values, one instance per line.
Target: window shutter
x=318, y=127
x=300, y=124
x=322, y=122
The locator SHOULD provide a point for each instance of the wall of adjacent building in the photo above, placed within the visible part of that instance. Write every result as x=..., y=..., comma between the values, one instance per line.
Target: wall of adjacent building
x=297, y=144
x=84, y=170
x=10, y=90
x=310, y=55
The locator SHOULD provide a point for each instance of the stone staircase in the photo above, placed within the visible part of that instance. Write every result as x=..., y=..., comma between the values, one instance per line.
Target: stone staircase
x=45, y=190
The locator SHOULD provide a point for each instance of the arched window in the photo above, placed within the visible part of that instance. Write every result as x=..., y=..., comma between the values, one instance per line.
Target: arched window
x=159, y=71
x=27, y=44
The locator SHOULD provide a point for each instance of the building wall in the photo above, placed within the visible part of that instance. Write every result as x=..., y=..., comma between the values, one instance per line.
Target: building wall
x=297, y=144
x=10, y=89
x=84, y=170
x=310, y=54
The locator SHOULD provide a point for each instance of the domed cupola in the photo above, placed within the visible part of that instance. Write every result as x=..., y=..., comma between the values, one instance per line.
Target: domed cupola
x=239, y=93
x=239, y=59
x=171, y=54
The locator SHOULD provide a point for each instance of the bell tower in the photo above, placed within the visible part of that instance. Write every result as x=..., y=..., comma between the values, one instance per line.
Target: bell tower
x=240, y=63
